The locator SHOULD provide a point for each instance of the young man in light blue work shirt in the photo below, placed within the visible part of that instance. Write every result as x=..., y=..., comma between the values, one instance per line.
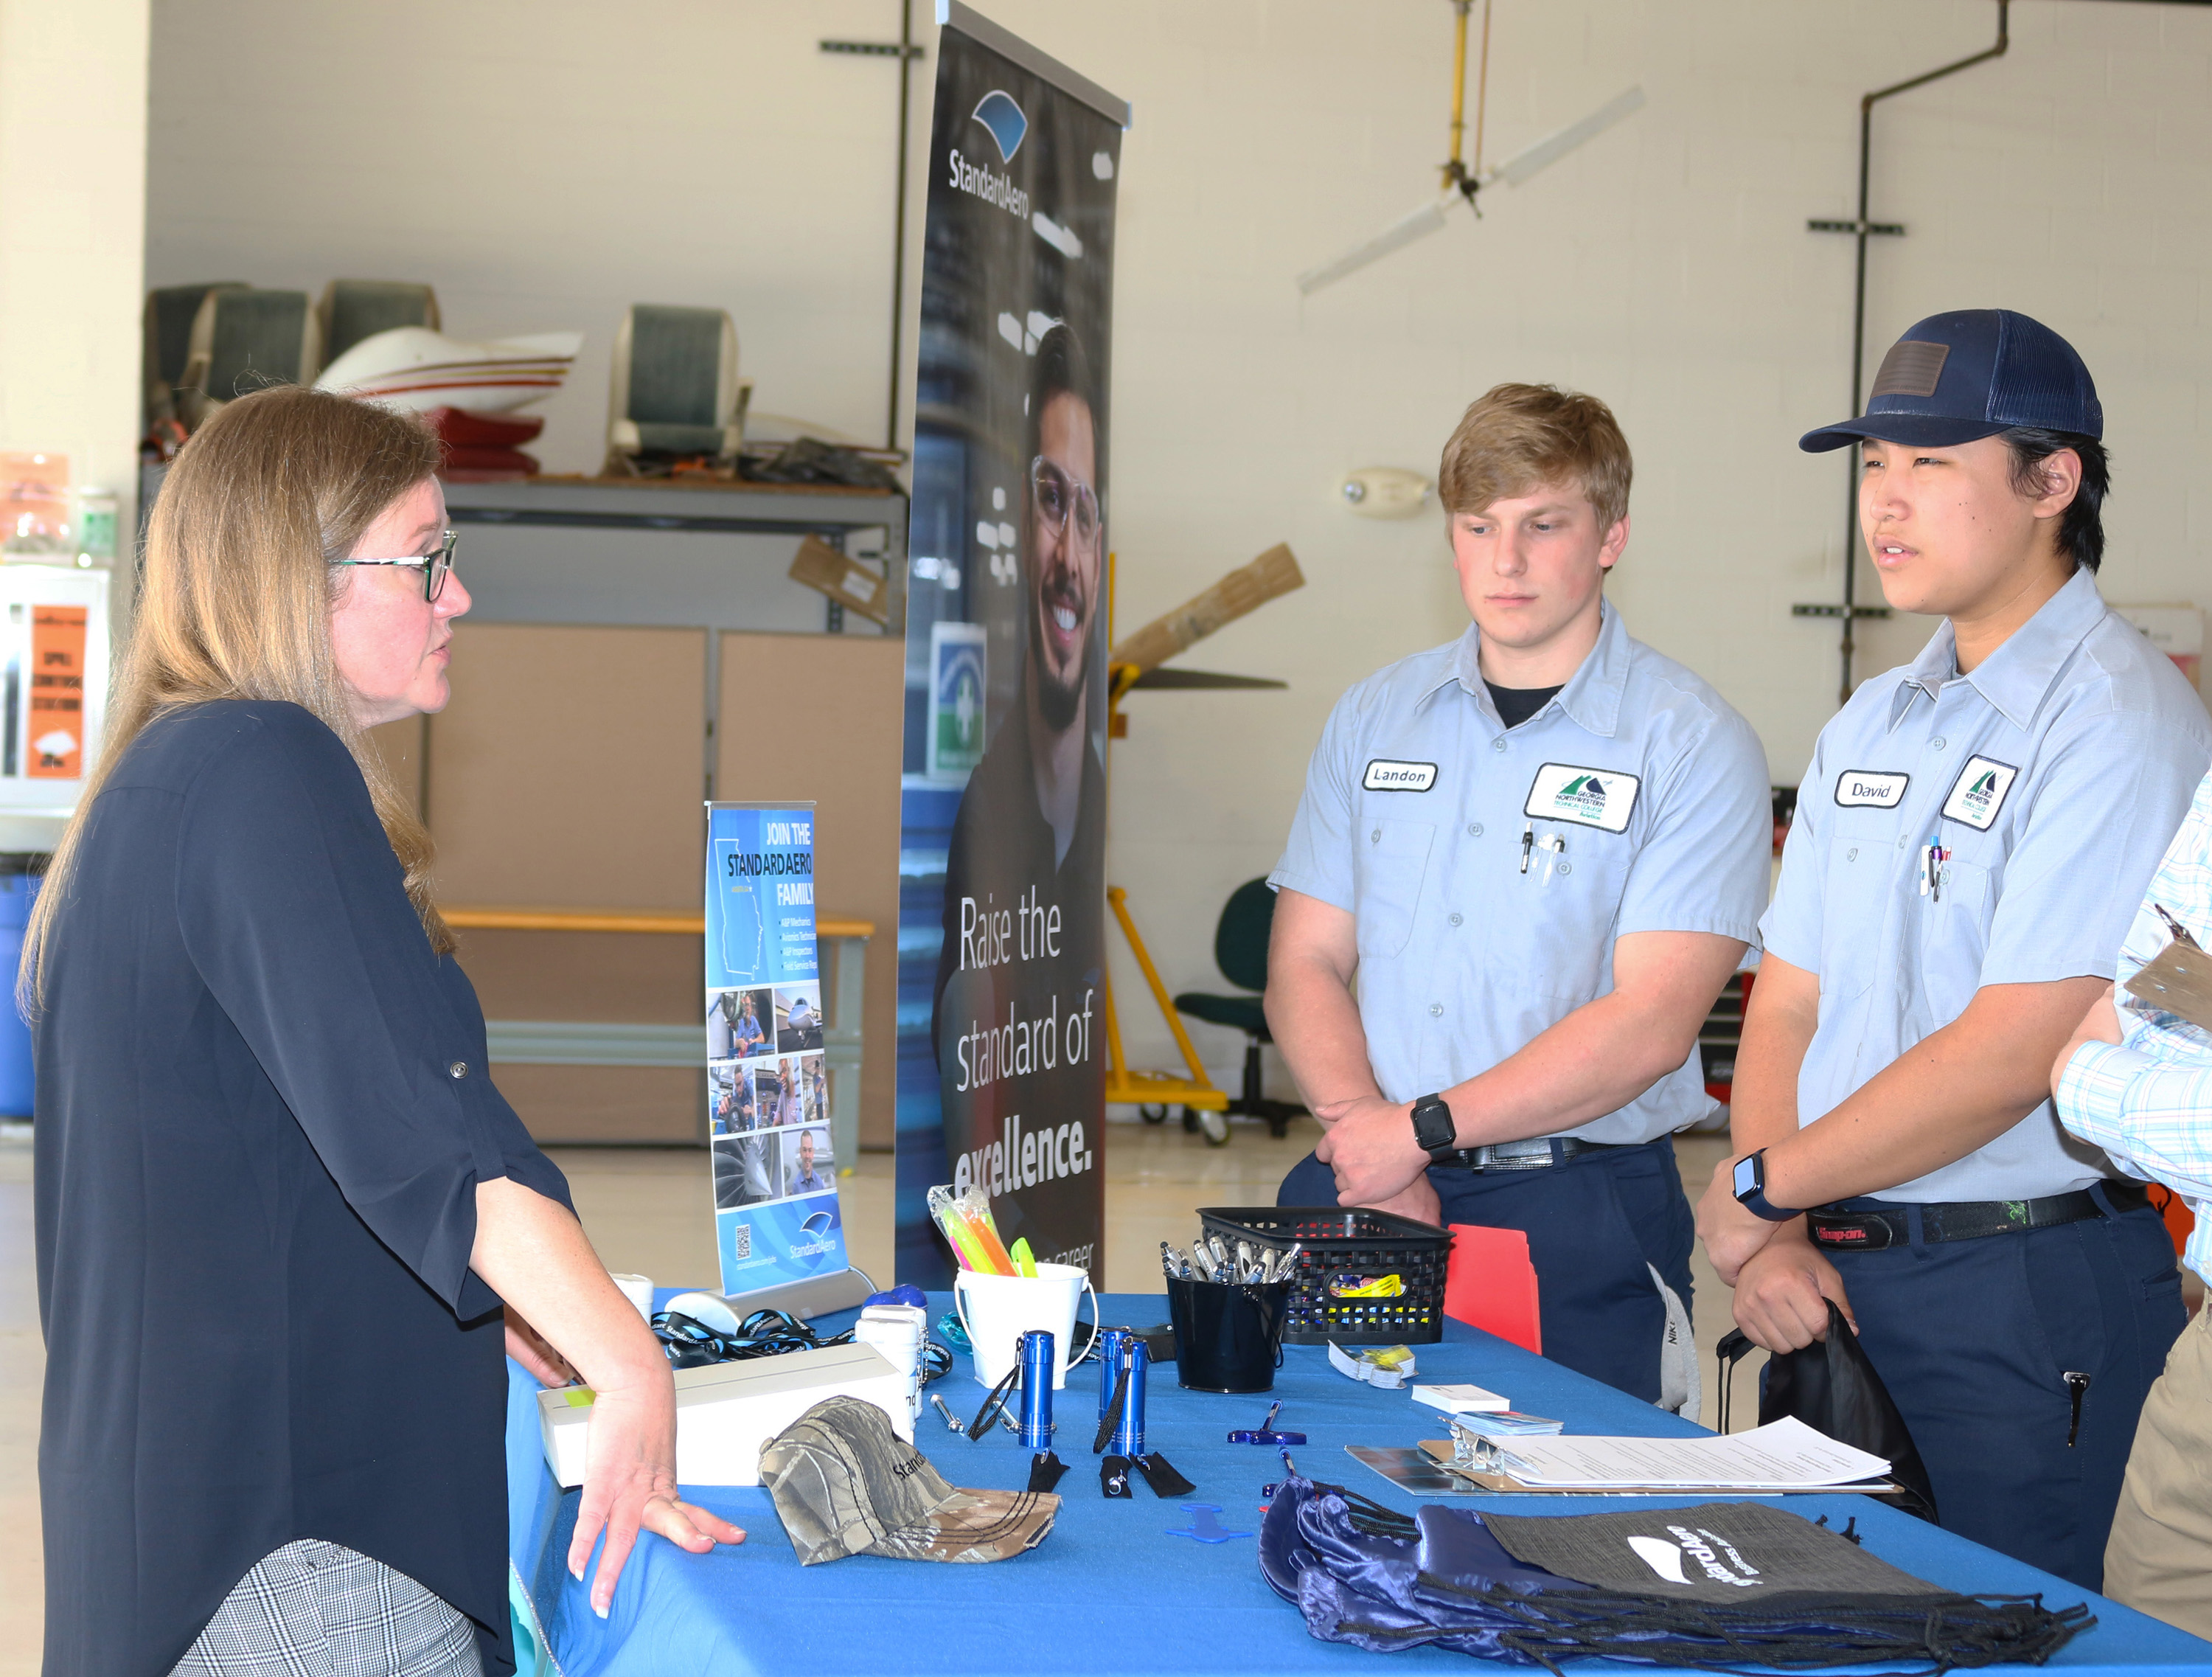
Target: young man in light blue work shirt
x=1542, y=848
x=1972, y=840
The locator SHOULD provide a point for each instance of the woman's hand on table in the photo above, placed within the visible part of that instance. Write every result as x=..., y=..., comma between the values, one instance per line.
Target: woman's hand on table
x=629, y=1482
x=532, y=1252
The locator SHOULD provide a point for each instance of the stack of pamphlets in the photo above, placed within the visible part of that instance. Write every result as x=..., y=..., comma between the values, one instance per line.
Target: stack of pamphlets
x=1459, y=1400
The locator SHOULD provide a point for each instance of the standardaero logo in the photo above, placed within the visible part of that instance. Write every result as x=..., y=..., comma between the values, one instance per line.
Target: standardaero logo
x=1008, y=127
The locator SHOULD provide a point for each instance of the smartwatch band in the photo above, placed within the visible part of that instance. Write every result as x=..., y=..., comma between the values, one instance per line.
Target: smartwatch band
x=1435, y=1130
x=1753, y=1198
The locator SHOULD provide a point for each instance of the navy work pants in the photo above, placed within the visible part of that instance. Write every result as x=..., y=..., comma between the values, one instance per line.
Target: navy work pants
x=1974, y=1340
x=1597, y=1226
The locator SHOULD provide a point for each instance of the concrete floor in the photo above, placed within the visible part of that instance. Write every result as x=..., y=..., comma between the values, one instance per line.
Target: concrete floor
x=649, y=1212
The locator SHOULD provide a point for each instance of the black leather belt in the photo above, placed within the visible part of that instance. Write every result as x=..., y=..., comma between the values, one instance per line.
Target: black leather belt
x=1531, y=1155
x=1966, y=1219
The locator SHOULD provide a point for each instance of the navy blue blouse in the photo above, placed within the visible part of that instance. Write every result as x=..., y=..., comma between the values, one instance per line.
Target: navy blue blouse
x=263, y=1109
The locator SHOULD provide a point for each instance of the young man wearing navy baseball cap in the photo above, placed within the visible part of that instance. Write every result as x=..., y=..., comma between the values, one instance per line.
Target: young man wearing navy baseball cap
x=1972, y=839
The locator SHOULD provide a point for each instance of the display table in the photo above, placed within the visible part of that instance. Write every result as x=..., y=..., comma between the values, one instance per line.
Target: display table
x=1109, y=1590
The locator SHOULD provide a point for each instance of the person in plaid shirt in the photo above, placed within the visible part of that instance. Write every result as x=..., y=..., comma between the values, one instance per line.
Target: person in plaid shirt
x=2137, y=1081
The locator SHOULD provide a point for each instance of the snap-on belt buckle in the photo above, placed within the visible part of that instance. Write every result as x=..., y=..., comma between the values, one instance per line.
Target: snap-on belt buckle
x=1846, y=1233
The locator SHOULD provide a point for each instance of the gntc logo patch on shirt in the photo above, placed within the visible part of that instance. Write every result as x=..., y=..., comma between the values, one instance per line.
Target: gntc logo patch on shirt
x=1979, y=793
x=1600, y=798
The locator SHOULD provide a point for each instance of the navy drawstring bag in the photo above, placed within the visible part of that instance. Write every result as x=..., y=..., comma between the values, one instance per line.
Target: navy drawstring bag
x=1731, y=1585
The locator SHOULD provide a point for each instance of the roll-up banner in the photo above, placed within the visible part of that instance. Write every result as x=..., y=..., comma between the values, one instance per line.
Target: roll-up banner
x=1003, y=802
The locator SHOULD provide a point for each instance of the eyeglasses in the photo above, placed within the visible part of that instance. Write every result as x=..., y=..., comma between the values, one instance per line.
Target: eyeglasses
x=435, y=565
x=1058, y=496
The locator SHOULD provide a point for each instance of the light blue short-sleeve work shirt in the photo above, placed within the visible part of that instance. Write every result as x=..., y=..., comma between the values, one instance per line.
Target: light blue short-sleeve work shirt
x=1638, y=797
x=2050, y=779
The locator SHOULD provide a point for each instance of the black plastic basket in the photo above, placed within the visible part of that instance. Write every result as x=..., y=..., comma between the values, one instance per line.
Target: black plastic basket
x=1337, y=1242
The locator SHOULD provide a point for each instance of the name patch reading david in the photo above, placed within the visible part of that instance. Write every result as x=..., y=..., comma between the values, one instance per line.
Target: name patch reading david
x=1980, y=792
x=1870, y=789
x=1383, y=776
x=1600, y=798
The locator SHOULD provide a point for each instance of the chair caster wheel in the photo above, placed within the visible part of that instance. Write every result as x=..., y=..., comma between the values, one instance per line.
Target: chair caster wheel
x=1153, y=1115
x=1214, y=1127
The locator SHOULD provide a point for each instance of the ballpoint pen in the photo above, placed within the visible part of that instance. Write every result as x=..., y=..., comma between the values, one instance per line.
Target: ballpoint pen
x=1528, y=843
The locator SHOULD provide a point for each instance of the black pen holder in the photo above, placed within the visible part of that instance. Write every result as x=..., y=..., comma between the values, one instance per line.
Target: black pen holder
x=1228, y=1338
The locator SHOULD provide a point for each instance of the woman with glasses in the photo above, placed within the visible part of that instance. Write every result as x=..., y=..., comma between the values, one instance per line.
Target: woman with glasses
x=280, y=1204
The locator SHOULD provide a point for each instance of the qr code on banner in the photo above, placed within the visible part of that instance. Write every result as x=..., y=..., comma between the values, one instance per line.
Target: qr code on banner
x=742, y=1241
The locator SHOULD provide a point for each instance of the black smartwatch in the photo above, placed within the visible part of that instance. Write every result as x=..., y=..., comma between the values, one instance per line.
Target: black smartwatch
x=1435, y=1130
x=1751, y=1189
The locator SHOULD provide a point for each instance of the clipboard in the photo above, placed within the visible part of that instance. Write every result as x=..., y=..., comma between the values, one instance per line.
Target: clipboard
x=1440, y=1451
x=2177, y=980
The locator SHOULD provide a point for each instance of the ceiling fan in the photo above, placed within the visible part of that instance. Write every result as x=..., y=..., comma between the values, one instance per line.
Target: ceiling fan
x=1461, y=182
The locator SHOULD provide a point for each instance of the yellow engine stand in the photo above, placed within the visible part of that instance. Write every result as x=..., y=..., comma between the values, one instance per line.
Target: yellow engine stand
x=1124, y=1087
x=1128, y=1088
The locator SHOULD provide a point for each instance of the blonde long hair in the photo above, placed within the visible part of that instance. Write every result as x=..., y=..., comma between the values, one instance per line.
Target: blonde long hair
x=236, y=597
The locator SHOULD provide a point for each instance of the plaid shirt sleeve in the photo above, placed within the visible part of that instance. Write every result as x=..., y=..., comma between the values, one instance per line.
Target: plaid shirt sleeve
x=2147, y=1101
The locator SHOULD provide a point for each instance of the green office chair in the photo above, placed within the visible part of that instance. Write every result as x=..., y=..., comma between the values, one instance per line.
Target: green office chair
x=1240, y=950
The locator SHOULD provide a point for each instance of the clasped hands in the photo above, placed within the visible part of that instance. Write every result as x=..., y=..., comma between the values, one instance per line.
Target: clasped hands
x=1369, y=1144
x=1783, y=1284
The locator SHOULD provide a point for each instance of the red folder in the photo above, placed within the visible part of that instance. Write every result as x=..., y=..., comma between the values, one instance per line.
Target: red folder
x=1490, y=1284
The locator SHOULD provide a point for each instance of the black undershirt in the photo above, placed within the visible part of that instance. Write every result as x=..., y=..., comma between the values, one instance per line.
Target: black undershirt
x=1515, y=705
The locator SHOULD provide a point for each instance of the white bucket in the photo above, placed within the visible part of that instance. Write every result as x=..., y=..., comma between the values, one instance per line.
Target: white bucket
x=998, y=1309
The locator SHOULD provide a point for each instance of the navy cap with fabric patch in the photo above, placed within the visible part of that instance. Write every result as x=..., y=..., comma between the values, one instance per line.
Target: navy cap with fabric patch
x=1953, y=378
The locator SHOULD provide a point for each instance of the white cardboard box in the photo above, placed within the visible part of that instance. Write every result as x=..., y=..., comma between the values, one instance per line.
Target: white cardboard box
x=727, y=1412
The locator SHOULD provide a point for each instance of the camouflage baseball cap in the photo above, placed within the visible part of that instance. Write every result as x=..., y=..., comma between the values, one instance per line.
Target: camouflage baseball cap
x=845, y=1485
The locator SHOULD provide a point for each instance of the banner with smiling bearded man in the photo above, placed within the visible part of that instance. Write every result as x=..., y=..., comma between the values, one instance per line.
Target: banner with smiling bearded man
x=1003, y=801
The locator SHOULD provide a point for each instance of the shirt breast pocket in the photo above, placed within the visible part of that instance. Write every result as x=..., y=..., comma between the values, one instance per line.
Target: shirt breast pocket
x=1392, y=869
x=1551, y=933
x=1957, y=940
x=1860, y=878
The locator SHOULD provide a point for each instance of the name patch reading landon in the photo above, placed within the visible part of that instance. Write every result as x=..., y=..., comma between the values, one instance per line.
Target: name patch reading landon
x=1979, y=793
x=1870, y=788
x=1383, y=776
x=1600, y=798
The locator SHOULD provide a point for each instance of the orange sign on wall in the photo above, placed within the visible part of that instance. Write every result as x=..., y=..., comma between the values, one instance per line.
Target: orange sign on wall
x=57, y=710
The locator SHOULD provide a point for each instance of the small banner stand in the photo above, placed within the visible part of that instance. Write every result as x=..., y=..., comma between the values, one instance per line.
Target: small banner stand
x=777, y=1224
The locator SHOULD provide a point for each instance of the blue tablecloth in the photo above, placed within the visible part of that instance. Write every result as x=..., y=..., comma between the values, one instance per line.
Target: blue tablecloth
x=1109, y=1590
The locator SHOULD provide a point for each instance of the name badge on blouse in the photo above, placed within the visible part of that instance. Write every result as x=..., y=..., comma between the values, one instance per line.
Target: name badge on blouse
x=1979, y=793
x=1600, y=798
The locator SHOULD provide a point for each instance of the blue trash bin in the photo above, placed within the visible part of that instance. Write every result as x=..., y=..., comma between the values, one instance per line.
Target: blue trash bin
x=19, y=889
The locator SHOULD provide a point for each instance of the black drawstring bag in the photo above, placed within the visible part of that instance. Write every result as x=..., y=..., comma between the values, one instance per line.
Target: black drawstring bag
x=1832, y=1386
